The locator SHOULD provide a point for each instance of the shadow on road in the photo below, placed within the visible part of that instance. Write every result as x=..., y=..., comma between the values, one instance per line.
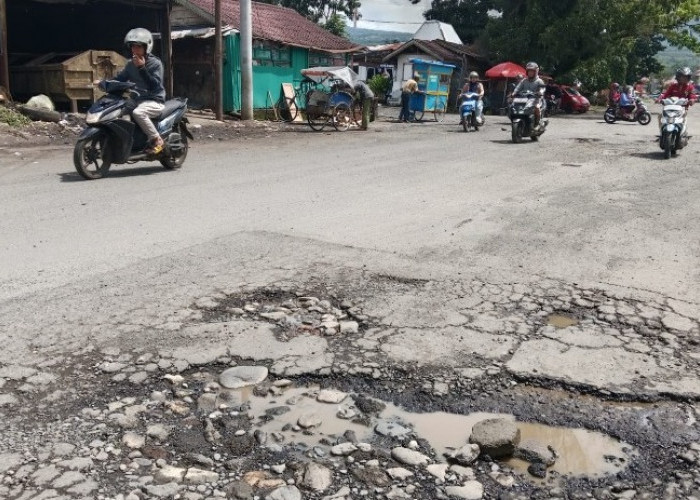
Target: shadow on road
x=126, y=172
x=649, y=155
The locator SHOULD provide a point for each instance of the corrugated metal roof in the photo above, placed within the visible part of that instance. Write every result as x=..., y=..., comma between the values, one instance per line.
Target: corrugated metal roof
x=275, y=23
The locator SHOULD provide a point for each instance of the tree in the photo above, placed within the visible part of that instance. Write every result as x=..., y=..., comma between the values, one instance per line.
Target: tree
x=596, y=41
x=468, y=17
x=336, y=25
x=320, y=10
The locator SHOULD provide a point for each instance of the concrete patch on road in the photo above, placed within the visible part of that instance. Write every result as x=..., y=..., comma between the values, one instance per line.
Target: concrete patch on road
x=244, y=339
x=445, y=346
x=607, y=368
x=583, y=336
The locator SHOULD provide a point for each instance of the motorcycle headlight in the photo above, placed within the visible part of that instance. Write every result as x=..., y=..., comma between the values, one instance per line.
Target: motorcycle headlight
x=672, y=114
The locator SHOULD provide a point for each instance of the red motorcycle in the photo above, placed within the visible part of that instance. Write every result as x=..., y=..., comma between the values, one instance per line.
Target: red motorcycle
x=639, y=114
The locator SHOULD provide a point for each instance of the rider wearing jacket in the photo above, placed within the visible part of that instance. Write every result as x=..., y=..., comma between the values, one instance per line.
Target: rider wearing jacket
x=146, y=71
x=682, y=87
x=534, y=84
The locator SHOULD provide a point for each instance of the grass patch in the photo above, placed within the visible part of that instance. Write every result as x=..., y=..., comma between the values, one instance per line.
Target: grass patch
x=12, y=117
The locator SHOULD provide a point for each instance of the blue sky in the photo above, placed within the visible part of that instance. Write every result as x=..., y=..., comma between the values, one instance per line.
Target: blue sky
x=404, y=15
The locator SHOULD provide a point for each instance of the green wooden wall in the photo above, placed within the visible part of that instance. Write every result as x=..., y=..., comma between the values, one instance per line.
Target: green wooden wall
x=265, y=78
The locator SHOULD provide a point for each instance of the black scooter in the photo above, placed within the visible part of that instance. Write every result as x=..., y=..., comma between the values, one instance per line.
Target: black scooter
x=522, y=117
x=110, y=139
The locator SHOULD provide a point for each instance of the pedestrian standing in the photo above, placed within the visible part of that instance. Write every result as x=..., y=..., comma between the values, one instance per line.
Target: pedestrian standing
x=408, y=88
x=367, y=99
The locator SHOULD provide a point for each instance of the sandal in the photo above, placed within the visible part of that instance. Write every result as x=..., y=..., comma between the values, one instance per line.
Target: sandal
x=156, y=147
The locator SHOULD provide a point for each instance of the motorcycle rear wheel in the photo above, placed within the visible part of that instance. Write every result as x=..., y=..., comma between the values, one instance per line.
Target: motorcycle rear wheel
x=609, y=117
x=465, y=123
x=88, y=157
x=644, y=118
x=171, y=162
x=517, y=132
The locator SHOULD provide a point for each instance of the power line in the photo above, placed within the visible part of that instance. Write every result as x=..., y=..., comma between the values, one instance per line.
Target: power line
x=389, y=22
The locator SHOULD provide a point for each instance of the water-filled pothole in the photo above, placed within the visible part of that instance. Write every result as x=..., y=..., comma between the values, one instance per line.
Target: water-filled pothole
x=561, y=321
x=579, y=452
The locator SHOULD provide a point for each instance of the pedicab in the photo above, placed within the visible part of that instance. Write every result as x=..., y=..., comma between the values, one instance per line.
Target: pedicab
x=331, y=102
x=433, y=89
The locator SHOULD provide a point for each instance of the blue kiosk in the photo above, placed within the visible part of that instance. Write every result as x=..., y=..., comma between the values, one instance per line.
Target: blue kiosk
x=434, y=86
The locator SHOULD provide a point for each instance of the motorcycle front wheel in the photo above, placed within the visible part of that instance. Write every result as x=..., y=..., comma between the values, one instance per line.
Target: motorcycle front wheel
x=669, y=144
x=88, y=157
x=644, y=118
x=517, y=132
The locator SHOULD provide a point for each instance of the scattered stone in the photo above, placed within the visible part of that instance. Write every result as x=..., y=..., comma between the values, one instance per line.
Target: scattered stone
x=466, y=455
x=331, y=396
x=391, y=429
x=309, y=420
x=409, y=457
x=242, y=376
x=343, y=449
x=496, y=437
x=158, y=431
x=538, y=469
x=239, y=490
x=169, y=474
x=285, y=493
x=471, y=490
x=199, y=476
x=133, y=440
x=350, y=327
x=317, y=477
x=437, y=470
x=533, y=451
x=399, y=473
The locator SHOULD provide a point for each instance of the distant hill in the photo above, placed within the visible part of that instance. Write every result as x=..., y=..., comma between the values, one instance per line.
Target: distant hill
x=673, y=57
x=364, y=36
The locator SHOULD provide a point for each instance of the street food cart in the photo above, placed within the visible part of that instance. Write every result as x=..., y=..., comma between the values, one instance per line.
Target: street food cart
x=433, y=88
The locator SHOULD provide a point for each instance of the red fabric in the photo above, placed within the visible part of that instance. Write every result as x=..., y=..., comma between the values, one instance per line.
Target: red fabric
x=677, y=90
x=505, y=70
x=280, y=24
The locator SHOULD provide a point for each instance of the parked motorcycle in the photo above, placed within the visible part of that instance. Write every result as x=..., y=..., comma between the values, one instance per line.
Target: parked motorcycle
x=469, y=111
x=522, y=118
x=673, y=133
x=640, y=114
x=111, y=139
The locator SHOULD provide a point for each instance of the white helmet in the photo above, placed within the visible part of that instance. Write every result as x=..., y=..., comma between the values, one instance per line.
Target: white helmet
x=141, y=36
x=533, y=66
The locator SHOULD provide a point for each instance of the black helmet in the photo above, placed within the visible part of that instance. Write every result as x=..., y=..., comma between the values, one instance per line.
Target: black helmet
x=140, y=36
x=680, y=72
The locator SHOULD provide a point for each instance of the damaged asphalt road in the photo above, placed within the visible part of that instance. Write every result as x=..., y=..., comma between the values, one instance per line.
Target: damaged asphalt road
x=554, y=295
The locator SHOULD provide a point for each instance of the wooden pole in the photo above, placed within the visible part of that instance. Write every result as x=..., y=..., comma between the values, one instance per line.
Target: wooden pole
x=4, y=51
x=167, y=47
x=218, y=63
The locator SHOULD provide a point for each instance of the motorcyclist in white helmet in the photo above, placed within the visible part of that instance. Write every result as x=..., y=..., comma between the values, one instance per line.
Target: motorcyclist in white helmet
x=473, y=85
x=146, y=71
x=533, y=83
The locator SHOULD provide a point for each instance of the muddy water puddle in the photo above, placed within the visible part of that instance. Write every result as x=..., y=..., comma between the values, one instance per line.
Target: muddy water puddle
x=561, y=321
x=580, y=452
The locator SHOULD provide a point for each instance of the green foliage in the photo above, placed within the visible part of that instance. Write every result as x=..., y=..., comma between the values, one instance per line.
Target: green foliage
x=380, y=85
x=596, y=41
x=468, y=17
x=318, y=10
x=336, y=25
x=12, y=117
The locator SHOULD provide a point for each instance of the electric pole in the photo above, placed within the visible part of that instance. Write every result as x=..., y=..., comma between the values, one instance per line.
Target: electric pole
x=4, y=69
x=246, y=60
x=218, y=63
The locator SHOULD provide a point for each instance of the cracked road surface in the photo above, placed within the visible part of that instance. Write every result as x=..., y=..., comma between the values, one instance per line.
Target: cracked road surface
x=460, y=254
